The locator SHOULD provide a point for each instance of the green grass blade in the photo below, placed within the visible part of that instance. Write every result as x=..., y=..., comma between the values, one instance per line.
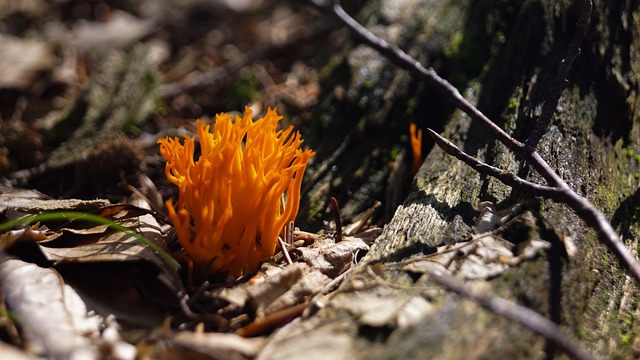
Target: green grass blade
x=75, y=215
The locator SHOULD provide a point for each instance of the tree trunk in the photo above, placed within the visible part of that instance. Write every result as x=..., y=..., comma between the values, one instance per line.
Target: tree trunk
x=503, y=56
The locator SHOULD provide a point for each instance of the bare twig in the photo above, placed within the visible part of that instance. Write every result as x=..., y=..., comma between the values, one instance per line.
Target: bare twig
x=361, y=220
x=271, y=321
x=217, y=320
x=285, y=252
x=583, y=207
x=288, y=236
x=520, y=314
x=484, y=168
x=563, y=193
x=551, y=102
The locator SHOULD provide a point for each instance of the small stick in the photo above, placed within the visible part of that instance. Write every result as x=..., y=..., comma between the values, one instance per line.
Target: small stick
x=484, y=168
x=335, y=211
x=219, y=321
x=355, y=227
x=271, y=321
x=201, y=289
x=289, y=233
x=285, y=252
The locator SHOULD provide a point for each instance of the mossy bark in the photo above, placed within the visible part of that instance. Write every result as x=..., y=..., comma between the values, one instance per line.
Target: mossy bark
x=593, y=143
x=90, y=139
x=121, y=95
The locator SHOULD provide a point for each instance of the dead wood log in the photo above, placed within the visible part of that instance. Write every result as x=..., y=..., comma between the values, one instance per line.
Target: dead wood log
x=531, y=252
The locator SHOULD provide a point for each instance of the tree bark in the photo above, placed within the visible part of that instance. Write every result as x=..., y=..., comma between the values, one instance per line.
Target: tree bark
x=503, y=56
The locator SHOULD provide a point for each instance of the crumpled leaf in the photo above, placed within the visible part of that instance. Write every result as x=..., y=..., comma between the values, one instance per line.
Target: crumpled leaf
x=23, y=60
x=394, y=311
x=320, y=342
x=134, y=274
x=112, y=270
x=54, y=318
x=281, y=288
x=122, y=29
x=276, y=293
x=332, y=258
x=484, y=256
x=208, y=346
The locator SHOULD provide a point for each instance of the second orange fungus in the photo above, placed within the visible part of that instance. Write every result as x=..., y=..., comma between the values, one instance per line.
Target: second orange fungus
x=416, y=148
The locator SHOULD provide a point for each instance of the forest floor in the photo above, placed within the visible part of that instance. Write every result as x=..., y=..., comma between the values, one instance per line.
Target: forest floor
x=74, y=125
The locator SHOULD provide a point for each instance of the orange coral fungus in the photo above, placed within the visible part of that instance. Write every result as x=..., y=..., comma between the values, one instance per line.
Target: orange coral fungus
x=416, y=147
x=230, y=207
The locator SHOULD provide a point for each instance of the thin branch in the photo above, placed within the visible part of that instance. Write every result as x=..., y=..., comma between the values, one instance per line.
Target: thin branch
x=582, y=206
x=587, y=211
x=520, y=314
x=285, y=252
x=271, y=321
x=505, y=177
x=551, y=102
x=606, y=233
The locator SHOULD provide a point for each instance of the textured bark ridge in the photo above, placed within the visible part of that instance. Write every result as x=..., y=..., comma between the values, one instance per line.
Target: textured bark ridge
x=534, y=252
x=120, y=97
x=91, y=136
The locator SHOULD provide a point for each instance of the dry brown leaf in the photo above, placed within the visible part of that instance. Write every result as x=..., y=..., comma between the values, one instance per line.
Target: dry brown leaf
x=112, y=270
x=115, y=272
x=281, y=288
x=54, y=318
x=209, y=346
x=319, y=342
x=386, y=309
x=332, y=258
x=11, y=237
x=23, y=60
x=302, y=282
x=88, y=242
x=485, y=256
x=121, y=30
